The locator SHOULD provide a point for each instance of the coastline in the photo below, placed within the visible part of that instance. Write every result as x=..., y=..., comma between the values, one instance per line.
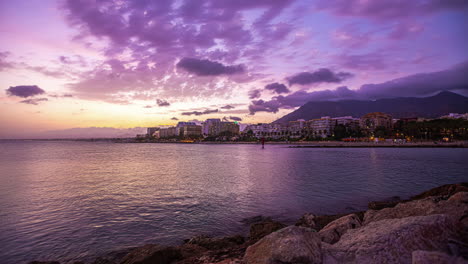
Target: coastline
x=430, y=226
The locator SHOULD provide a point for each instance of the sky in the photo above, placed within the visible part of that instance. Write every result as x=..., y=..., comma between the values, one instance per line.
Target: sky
x=76, y=64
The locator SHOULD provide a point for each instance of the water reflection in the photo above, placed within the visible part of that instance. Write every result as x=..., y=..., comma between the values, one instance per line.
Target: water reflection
x=72, y=199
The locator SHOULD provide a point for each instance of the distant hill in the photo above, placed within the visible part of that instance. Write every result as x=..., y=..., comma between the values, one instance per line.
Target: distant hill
x=429, y=107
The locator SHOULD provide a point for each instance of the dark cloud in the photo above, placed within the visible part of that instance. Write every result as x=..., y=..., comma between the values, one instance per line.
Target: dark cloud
x=277, y=88
x=207, y=67
x=34, y=101
x=264, y=106
x=419, y=85
x=320, y=76
x=197, y=113
x=234, y=118
x=161, y=102
x=388, y=9
x=175, y=118
x=227, y=107
x=254, y=94
x=423, y=84
x=24, y=90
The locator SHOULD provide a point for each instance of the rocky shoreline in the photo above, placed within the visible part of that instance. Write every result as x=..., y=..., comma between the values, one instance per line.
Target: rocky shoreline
x=431, y=227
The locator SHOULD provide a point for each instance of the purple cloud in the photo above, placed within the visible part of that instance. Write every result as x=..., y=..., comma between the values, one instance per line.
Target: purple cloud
x=161, y=102
x=4, y=64
x=253, y=94
x=207, y=67
x=319, y=76
x=227, y=107
x=369, y=61
x=424, y=84
x=234, y=118
x=264, y=106
x=24, y=91
x=277, y=88
x=388, y=9
x=197, y=113
x=34, y=101
x=175, y=118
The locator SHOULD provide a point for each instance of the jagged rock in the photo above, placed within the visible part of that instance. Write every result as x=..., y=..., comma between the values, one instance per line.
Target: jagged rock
x=431, y=205
x=444, y=190
x=292, y=244
x=152, y=253
x=259, y=230
x=216, y=243
x=431, y=257
x=332, y=232
x=318, y=222
x=307, y=220
x=391, y=240
x=378, y=205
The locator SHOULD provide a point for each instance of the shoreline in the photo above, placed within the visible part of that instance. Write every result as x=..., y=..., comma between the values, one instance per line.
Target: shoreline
x=432, y=222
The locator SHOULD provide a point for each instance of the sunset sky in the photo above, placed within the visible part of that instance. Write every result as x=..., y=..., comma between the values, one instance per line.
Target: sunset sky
x=124, y=64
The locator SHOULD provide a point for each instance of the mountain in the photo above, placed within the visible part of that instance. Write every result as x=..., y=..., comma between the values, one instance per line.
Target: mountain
x=429, y=107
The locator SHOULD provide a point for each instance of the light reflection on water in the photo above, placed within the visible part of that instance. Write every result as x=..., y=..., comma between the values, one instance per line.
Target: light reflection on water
x=75, y=200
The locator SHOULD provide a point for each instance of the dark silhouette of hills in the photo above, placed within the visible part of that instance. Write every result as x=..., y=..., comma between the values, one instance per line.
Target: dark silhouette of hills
x=428, y=107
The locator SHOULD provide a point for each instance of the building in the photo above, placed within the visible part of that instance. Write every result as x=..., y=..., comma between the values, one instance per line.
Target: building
x=167, y=132
x=150, y=131
x=217, y=128
x=322, y=127
x=180, y=125
x=297, y=128
x=208, y=123
x=190, y=131
x=371, y=122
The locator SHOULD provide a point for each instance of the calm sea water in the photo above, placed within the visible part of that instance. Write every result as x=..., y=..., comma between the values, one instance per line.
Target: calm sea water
x=76, y=200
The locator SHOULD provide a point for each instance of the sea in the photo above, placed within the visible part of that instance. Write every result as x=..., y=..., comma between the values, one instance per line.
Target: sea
x=75, y=200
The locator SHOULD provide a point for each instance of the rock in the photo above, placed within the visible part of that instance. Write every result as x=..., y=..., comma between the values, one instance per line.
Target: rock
x=431, y=257
x=216, y=243
x=256, y=219
x=391, y=240
x=378, y=205
x=459, y=197
x=292, y=244
x=332, y=232
x=455, y=207
x=444, y=190
x=318, y=222
x=152, y=253
x=101, y=260
x=259, y=230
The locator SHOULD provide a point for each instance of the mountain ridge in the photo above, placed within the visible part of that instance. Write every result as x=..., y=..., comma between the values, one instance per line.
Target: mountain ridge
x=434, y=106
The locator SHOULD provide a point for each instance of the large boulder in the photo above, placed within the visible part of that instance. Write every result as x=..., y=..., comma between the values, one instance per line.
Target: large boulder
x=431, y=257
x=262, y=229
x=289, y=245
x=454, y=206
x=391, y=240
x=152, y=253
x=444, y=190
x=332, y=232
